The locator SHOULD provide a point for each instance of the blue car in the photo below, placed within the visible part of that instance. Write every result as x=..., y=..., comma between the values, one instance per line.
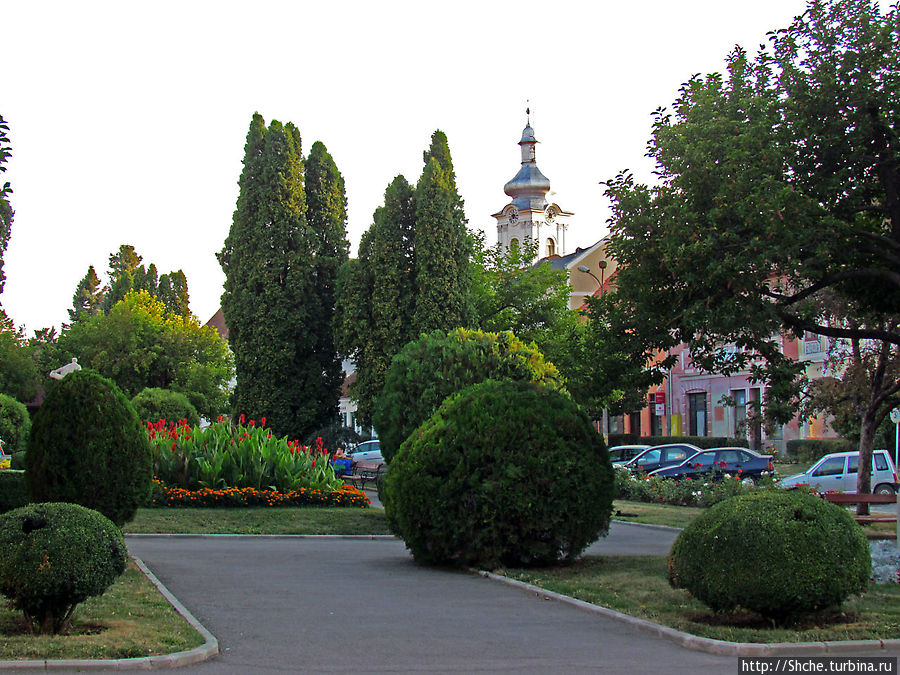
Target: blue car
x=720, y=462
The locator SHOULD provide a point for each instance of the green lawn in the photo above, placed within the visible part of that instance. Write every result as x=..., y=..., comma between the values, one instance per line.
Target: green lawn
x=638, y=586
x=259, y=520
x=130, y=620
x=655, y=514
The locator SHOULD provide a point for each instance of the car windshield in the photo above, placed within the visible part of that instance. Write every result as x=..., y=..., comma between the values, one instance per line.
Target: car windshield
x=648, y=457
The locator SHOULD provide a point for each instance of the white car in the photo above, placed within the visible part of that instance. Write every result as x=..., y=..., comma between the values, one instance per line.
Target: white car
x=837, y=473
x=366, y=451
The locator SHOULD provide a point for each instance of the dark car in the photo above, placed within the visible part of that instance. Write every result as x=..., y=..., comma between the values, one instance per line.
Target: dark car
x=619, y=454
x=660, y=456
x=720, y=462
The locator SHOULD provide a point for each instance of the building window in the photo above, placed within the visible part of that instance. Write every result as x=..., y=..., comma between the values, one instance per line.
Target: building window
x=551, y=247
x=697, y=413
x=634, y=423
x=513, y=244
x=656, y=427
x=740, y=410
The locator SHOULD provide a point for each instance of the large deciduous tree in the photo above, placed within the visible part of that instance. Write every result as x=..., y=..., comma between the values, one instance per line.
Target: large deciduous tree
x=779, y=191
x=140, y=344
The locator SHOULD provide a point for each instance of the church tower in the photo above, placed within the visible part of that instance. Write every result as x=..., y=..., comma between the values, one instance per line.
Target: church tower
x=529, y=215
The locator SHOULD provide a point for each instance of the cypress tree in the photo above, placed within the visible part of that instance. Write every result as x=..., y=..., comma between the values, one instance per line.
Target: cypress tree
x=88, y=296
x=442, y=245
x=172, y=290
x=6, y=211
x=377, y=295
x=269, y=282
x=326, y=215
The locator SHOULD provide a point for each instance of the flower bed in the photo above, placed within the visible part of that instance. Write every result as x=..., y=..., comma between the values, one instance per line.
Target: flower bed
x=166, y=496
x=237, y=455
x=685, y=492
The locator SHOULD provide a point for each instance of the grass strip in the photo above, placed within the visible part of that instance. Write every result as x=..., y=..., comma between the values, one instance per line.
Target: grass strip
x=259, y=520
x=655, y=514
x=638, y=586
x=132, y=619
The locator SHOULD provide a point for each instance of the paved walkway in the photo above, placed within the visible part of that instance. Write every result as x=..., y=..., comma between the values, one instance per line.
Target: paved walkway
x=337, y=605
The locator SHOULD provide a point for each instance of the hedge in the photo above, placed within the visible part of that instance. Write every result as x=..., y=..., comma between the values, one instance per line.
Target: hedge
x=702, y=442
x=811, y=449
x=13, y=492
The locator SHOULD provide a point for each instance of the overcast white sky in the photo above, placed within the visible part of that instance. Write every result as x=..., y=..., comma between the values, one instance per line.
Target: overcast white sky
x=128, y=120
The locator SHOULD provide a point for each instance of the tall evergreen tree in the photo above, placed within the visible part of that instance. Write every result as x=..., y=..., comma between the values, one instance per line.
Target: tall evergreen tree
x=270, y=299
x=377, y=295
x=442, y=245
x=88, y=296
x=173, y=291
x=6, y=211
x=326, y=216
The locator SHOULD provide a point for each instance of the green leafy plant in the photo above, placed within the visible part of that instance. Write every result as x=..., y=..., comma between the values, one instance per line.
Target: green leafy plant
x=15, y=424
x=237, y=455
x=503, y=473
x=88, y=447
x=428, y=370
x=54, y=556
x=780, y=554
x=154, y=404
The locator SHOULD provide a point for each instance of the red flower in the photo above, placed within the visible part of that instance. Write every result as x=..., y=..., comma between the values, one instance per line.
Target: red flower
x=243, y=418
x=263, y=421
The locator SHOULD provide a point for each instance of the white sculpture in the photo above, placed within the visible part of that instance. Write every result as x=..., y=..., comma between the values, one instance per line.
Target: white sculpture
x=62, y=371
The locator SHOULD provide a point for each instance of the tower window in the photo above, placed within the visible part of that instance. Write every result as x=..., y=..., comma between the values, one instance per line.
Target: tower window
x=551, y=247
x=513, y=244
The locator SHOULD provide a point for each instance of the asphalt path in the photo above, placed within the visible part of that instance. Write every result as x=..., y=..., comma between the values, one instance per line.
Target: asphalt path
x=324, y=605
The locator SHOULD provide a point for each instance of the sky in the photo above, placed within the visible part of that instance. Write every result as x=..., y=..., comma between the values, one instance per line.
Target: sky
x=127, y=120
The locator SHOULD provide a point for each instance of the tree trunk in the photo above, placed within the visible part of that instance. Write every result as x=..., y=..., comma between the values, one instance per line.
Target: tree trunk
x=866, y=445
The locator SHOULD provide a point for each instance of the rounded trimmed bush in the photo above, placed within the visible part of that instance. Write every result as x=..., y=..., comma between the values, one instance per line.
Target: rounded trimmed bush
x=54, y=556
x=15, y=424
x=88, y=447
x=154, y=404
x=504, y=473
x=428, y=370
x=780, y=554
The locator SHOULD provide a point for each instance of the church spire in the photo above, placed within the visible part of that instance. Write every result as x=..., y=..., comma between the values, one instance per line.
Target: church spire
x=529, y=187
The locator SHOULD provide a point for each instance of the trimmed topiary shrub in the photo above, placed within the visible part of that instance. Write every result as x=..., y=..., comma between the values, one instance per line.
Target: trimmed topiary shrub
x=153, y=404
x=13, y=493
x=428, y=370
x=54, y=556
x=504, y=473
x=15, y=424
x=88, y=447
x=780, y=554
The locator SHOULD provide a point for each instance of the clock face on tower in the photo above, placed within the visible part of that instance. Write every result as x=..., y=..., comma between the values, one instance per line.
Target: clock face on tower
x=513, y=216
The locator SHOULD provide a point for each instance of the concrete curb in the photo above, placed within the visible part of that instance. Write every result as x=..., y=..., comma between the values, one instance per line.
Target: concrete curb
x=709, y=645
x=207, y=650
x=350, y=537
x=667, y=528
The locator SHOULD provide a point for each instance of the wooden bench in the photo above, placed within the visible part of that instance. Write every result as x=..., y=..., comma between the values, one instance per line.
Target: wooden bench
x=848, y=498
x=364, y=471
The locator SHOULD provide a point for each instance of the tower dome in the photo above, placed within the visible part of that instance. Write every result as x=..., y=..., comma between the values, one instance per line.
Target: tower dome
x=529, y=187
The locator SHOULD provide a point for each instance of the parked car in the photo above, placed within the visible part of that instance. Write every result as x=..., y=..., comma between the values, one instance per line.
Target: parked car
x=719, y=462
x=619, y=454
x=838, y=471
x=660, y=456
x=367, y=450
